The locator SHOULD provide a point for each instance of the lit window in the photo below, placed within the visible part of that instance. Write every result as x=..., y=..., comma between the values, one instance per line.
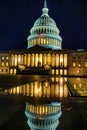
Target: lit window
x=61, y=72
x=2, y=63
x=74, y=86
x=78, y=71
x=65, y=60
x=11, y=71
x=61, y=60
x=47, y=41
x=86, y=64
x=38, y=40
x=44, y=41
x=14, y=71
x=65, y=72
x=52, y=71
x=6, y=63
x=3, y=57
x=79, y=65
x=74, y=64
x=7, y=58
x=52, y=79
x=56, y=72
x=41, y=40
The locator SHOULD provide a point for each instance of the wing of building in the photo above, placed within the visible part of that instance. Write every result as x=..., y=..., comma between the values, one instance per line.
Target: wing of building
x=44, y=53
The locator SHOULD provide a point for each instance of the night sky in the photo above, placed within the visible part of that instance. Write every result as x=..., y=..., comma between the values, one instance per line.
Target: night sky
x=18, y=16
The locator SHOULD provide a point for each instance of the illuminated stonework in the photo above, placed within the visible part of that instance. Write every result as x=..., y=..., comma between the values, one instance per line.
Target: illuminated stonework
x=55, y=62
x=44, y=53
x=43, y=117
x=45, y=32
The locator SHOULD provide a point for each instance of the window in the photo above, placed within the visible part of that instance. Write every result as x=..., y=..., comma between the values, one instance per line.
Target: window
x=74, y=64
x=7, y=58
x=11, y=71
x=61, y=72
x=44, y=41
x=6, y=63
x=38, y=40
x=61, y=60
x=2, y=64
x=74, y=57
x=79, y=64
x=14, y=71
x=79, y=57
x=79, y=71
x=65, y=72
x=57, y=72
x=6, y=70
x=41, y=40
x=86, y=64
x=53, y=71
x=3, y=57
x=65, y=60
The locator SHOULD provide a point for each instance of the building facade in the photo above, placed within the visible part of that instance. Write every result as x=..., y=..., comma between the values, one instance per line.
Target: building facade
x=77, y=63
x=44, y=52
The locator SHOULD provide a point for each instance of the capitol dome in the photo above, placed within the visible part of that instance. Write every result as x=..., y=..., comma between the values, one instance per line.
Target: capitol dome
x=45, y=31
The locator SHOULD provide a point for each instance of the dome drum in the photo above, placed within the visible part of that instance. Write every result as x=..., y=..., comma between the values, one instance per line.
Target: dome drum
x=46, y=41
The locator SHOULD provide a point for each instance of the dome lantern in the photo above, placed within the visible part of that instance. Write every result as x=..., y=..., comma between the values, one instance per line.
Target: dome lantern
x=45, y=9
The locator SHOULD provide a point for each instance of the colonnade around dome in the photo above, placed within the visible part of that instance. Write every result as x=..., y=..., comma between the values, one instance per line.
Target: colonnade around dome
x=44, y=41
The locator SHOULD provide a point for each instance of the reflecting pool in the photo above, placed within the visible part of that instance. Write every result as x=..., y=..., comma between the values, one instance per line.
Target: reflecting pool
x=40, y=93
x=50, y=87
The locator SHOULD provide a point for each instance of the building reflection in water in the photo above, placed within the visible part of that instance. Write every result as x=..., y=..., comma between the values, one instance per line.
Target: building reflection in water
x=52, y=87
x=43, y=116
x=46, y=115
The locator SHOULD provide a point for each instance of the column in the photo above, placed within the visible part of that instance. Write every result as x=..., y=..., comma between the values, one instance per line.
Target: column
x=32, y=60
x=28, y=60
x=44, y=58
x=53, y=60
x=36, y=60
x=57, y=60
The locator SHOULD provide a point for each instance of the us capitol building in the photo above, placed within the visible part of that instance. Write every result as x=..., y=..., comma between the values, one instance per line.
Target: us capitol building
x=44, y=53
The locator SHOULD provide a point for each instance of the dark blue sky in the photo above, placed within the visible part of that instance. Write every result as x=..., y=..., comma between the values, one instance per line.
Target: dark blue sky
x=18, y=16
